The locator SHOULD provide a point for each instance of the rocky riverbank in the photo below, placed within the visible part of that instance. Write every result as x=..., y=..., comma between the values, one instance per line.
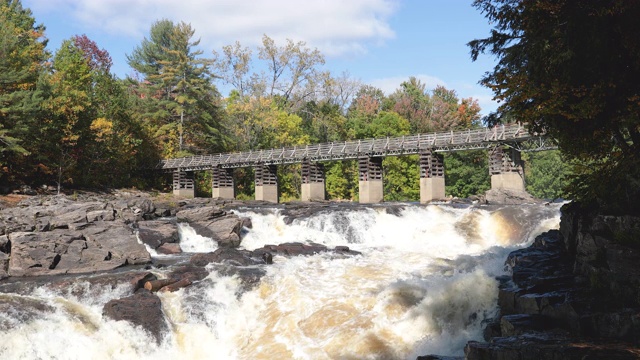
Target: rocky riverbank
x=573, y=294
x=108, y=240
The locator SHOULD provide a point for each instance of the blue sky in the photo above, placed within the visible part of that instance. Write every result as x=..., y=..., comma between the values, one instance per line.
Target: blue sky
x=379, y=42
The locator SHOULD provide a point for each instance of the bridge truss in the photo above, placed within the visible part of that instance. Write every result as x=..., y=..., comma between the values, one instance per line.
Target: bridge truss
x=512, y=135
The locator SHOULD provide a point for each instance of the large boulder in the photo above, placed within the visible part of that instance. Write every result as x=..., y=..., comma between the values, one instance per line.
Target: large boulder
x=212, y=222
x=143, y=309
x=155, y=233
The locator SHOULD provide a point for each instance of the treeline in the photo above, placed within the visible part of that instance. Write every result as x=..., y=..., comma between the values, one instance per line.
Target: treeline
x=65, y=119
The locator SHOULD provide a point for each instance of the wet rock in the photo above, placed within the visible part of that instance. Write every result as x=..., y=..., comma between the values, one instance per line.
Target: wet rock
x=246, y=222
x=230, y=256
x=155, y=233
x=169, y=249
x=215, y=223
x=226, y=230
x=547, y=346
x=142, y=309
x=297, y=249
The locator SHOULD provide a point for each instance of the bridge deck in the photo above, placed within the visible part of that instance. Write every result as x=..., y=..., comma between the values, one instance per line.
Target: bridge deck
x=389, y=146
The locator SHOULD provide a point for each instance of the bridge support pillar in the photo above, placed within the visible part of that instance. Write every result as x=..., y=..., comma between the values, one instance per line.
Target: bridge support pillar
x=266, y=183
x=222, y=184
x=431, y=177
x=506, y=169
x=313, y=185
x=370, y=184
x=184, y=183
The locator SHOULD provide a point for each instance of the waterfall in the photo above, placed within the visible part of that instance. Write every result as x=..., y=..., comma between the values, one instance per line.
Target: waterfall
x=424, y=282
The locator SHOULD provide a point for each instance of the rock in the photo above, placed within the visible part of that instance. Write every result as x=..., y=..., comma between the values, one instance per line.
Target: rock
x=547, y=346
x=142, y=309
x=4, y=266
x=120, y=242
x=101, y=215
x=509, y=197
x=201, y=214
x=296, y=249
x=158, y=232
x=247, y=223
x=96, y=248
x=226, y=230
x=5, y=244
x=169, y=249
x=228, y=256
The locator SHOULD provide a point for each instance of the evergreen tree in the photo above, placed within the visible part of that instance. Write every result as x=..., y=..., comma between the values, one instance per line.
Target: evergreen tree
x=22, y=56
x=179, y=102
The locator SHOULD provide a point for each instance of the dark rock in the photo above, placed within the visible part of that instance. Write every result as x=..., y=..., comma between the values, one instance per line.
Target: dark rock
x=296, y=249
x=5, y=244
x=142, y=309
x=547, y=346
x=230, y=256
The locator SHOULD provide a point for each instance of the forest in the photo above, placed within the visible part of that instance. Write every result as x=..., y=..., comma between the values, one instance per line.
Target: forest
x=67, y=121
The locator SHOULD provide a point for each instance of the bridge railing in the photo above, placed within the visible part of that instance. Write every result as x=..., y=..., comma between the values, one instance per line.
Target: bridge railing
x=410, y=144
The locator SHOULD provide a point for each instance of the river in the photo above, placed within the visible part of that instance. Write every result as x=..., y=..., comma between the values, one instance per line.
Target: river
x=425, y=283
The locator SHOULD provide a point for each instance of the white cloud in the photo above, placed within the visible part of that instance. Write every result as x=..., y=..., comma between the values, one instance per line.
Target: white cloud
x=335, y=27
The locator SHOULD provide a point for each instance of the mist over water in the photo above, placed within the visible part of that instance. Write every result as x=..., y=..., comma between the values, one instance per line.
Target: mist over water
x=424, y=283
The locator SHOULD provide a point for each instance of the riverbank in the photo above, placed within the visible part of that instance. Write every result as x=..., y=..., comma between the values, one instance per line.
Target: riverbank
x=573, y=294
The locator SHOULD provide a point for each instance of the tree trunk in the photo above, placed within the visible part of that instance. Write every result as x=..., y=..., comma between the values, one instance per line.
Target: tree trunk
x=155, y=285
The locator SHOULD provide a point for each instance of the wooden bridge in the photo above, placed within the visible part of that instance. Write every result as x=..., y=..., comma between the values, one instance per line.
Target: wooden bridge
x=513, y=135
x=369, y=152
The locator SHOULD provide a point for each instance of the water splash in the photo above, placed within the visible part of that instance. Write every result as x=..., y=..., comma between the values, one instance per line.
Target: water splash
x=191, y=242
x=424, y=283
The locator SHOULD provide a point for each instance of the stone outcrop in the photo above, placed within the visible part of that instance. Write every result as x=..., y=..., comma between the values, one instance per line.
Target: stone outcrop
x=573, y=294
x=63, y=251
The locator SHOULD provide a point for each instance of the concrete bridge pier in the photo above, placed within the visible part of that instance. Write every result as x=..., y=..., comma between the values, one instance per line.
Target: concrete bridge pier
x=266, y=180
x=222, y=184
x=184, y=183
x=506, y=169
x=313, y=185
x=431, y=177
x=370, y=184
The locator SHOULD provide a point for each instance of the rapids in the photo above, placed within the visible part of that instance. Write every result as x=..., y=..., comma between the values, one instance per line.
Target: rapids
x=423, y=284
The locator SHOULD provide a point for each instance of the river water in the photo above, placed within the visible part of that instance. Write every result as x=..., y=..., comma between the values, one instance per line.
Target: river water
x=423, y=284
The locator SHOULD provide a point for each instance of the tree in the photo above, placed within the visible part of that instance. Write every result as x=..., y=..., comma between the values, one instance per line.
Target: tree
x=546, y=174
x=572, y=69
x=22, y=58
x=180, y=103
